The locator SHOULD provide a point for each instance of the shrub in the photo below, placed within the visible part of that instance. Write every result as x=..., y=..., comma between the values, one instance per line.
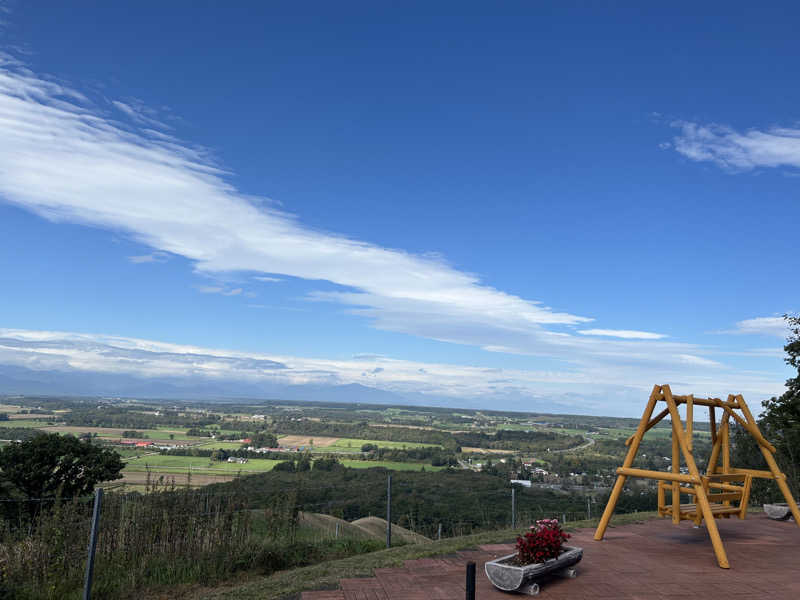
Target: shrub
x=541, y=543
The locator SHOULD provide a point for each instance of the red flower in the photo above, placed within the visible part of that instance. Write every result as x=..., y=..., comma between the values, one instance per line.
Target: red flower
x=543, y=542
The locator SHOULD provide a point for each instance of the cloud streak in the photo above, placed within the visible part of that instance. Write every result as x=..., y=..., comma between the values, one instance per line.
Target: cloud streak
x=63, y=159
x=771, y=326
x=737, y=151
x=623, y=333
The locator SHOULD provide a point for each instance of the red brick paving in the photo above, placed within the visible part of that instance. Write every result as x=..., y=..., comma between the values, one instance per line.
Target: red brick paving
x=653, y=560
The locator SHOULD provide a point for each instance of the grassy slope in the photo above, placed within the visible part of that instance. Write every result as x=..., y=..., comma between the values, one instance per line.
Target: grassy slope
x=288, y=584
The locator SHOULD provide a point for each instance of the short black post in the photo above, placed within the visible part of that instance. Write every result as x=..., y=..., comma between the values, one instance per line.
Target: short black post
x=471, y=580
x=87, y=582
x=513, y=508
x=389, y=512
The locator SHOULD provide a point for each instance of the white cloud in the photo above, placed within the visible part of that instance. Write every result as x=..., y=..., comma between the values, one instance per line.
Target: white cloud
x=153, y=257
x=268, y=279
x=623, y=333
x=699, y=360
x=623, y=388
x=216, y=289
x=64, y=160
x=730, y=149
x=772, y=326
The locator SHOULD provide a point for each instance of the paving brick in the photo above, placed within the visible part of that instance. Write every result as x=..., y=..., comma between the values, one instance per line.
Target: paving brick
x=654, y=561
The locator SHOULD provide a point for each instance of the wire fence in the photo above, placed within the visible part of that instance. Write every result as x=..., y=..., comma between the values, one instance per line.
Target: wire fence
x=170, y=535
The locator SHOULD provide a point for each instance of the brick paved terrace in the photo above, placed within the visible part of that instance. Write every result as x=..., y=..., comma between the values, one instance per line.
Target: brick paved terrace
x=653, y=560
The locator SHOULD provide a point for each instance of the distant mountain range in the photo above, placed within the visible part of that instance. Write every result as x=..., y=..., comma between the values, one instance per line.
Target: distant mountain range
x=19, y=380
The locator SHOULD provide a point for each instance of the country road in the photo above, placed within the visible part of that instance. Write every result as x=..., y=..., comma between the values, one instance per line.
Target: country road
x=589, y=442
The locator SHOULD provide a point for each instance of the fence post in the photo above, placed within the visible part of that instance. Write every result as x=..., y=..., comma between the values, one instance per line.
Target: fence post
x=439, y=535
x=389, y=512
x=513, y=507
x=87, y=582
x=337, y=531
x=588, y=508
x=564, y=518
x=471, y=580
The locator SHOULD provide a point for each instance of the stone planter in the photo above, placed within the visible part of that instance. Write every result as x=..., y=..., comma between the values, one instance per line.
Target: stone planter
x=779, y=511
x=512, y=578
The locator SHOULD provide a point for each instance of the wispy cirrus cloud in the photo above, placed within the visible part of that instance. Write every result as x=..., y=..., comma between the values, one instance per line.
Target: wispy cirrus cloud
x=152, y=257
x=623, y=333
x=65, y=160
x=739, y=151
x=218, y=289
x=771, y=326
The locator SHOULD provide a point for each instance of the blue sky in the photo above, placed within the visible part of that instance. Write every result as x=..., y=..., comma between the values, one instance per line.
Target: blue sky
x=542, y=201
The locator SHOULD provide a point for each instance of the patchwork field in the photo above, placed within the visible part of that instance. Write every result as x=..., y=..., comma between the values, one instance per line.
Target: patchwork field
x=200, y=464
x=305, y=440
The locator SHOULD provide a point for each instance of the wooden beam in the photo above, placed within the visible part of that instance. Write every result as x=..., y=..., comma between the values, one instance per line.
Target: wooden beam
x=658, y=475
x=755, y=473
x=726, y=448
x=768, y=453
x=689, y=420
x=676, y=469
x=655, y=395
x=653, y=422
x=712, y=419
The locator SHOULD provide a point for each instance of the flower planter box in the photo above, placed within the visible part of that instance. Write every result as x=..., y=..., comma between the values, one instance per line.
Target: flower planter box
x=509, y=577
x=779, y=511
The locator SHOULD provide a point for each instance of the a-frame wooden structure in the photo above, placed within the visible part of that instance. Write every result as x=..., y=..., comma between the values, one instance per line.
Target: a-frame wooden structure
x=714, y=491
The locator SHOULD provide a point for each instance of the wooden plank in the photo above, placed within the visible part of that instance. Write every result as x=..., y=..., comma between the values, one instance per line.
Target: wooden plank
x=689, y=420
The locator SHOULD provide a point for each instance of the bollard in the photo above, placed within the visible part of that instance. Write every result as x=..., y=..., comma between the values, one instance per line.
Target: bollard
x=87, y=582
x=471, y=580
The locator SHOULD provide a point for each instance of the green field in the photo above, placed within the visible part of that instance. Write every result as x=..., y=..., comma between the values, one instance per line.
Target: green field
x=23, y=423
x=355, y=444
x=201, y=464
x=215, y=445
x=158, y=462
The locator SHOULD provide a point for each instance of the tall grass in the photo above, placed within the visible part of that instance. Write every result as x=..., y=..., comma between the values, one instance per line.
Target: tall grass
x=165, y=537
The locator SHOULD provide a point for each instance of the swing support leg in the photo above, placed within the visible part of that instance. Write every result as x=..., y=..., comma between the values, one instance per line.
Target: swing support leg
x=634, y=448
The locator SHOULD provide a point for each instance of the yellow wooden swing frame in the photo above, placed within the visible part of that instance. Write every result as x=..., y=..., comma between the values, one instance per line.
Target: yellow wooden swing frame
x=713, y=492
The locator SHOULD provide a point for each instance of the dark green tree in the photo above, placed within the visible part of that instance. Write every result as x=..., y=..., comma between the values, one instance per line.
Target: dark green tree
x=49, y=464
x=780, y=424
x=263, y=439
